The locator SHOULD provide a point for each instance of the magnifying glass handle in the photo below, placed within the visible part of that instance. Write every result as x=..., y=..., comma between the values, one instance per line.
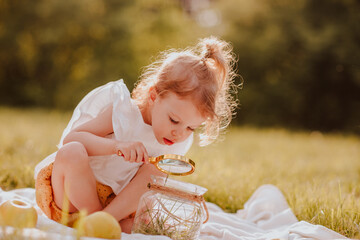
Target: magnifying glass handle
x=151, y=159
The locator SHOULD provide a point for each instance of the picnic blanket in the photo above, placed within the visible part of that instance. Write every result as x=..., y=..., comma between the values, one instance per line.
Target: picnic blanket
x=266, y=215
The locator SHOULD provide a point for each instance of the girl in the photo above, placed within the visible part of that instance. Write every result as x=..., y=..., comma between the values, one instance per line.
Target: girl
x=182, y=92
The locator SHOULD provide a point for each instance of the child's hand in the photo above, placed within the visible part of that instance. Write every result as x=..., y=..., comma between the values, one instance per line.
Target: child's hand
x=132, y=151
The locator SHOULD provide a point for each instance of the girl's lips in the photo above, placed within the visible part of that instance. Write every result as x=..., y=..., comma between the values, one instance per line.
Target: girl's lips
x=168, y=142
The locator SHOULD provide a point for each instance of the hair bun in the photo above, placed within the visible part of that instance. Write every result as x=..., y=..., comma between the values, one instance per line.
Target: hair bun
x=223, y=59
x=211, y=48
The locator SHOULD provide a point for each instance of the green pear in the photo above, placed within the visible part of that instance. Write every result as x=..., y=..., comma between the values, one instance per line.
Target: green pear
x=100, y=225
x=18, y=213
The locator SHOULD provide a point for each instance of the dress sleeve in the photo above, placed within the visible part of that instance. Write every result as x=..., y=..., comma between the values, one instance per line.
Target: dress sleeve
x=125, y=114
x=94, y=102
x=90, y=106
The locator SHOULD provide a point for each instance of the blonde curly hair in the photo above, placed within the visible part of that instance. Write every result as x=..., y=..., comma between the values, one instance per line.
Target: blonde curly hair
x=205, y=73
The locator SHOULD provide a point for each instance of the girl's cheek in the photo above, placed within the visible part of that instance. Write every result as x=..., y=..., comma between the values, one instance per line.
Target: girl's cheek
x=185, y=136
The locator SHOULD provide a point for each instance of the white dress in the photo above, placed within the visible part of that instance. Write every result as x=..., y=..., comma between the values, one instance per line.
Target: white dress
x=128, y=124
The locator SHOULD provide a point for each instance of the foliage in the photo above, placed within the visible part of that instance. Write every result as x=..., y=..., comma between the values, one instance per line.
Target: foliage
x=299, y=59
x=53, y=52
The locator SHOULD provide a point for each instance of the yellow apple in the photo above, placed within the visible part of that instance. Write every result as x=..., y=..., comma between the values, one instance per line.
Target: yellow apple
x=18, y=213
x=99, y=224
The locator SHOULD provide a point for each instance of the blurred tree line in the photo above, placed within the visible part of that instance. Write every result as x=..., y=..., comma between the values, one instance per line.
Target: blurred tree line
x=54, y=52
x=299, y=59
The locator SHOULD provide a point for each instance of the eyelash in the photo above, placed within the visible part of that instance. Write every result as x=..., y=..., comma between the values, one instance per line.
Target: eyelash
x=176, y=122
x=173, y=121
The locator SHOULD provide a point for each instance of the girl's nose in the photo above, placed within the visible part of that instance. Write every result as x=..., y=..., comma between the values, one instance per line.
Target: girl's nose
x=177, y=133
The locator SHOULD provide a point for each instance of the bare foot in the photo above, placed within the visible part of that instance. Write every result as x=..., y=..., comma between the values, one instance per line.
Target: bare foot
x=126, y=225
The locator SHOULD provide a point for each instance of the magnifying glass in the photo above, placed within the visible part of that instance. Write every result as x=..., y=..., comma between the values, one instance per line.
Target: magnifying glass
x=172, y=164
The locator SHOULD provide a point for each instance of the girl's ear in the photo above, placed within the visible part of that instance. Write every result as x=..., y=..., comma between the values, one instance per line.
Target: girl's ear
x=152, y=94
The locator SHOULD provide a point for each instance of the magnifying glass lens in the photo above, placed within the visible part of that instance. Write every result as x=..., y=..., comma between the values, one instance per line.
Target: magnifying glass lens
x=174, y=166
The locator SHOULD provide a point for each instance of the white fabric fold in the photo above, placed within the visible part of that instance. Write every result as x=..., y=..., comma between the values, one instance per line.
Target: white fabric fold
x=266, y=215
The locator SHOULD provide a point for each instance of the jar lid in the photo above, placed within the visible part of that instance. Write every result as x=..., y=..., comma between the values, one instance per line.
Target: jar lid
x=178, y=185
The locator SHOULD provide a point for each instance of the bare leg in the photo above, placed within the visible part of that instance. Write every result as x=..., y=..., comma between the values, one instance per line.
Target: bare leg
x=73, y=180
x=126, y=202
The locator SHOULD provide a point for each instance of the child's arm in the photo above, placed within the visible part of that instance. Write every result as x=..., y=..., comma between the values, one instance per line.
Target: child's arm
x=92, y=135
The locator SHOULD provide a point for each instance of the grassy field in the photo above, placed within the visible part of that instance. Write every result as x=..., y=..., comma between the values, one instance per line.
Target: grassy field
x=319, y=174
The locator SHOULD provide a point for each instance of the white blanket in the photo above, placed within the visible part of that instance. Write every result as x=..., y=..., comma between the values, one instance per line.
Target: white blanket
x=266, y=215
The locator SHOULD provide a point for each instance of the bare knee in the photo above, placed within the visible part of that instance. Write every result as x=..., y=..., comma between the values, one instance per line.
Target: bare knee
x=72, y=154
x=70, y=158
x=147, y=170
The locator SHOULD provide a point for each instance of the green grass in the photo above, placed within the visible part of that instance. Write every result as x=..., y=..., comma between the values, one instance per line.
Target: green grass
x=26, y=137
x=319, y=174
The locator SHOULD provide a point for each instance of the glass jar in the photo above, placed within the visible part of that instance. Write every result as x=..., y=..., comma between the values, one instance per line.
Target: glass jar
x=171, y=208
